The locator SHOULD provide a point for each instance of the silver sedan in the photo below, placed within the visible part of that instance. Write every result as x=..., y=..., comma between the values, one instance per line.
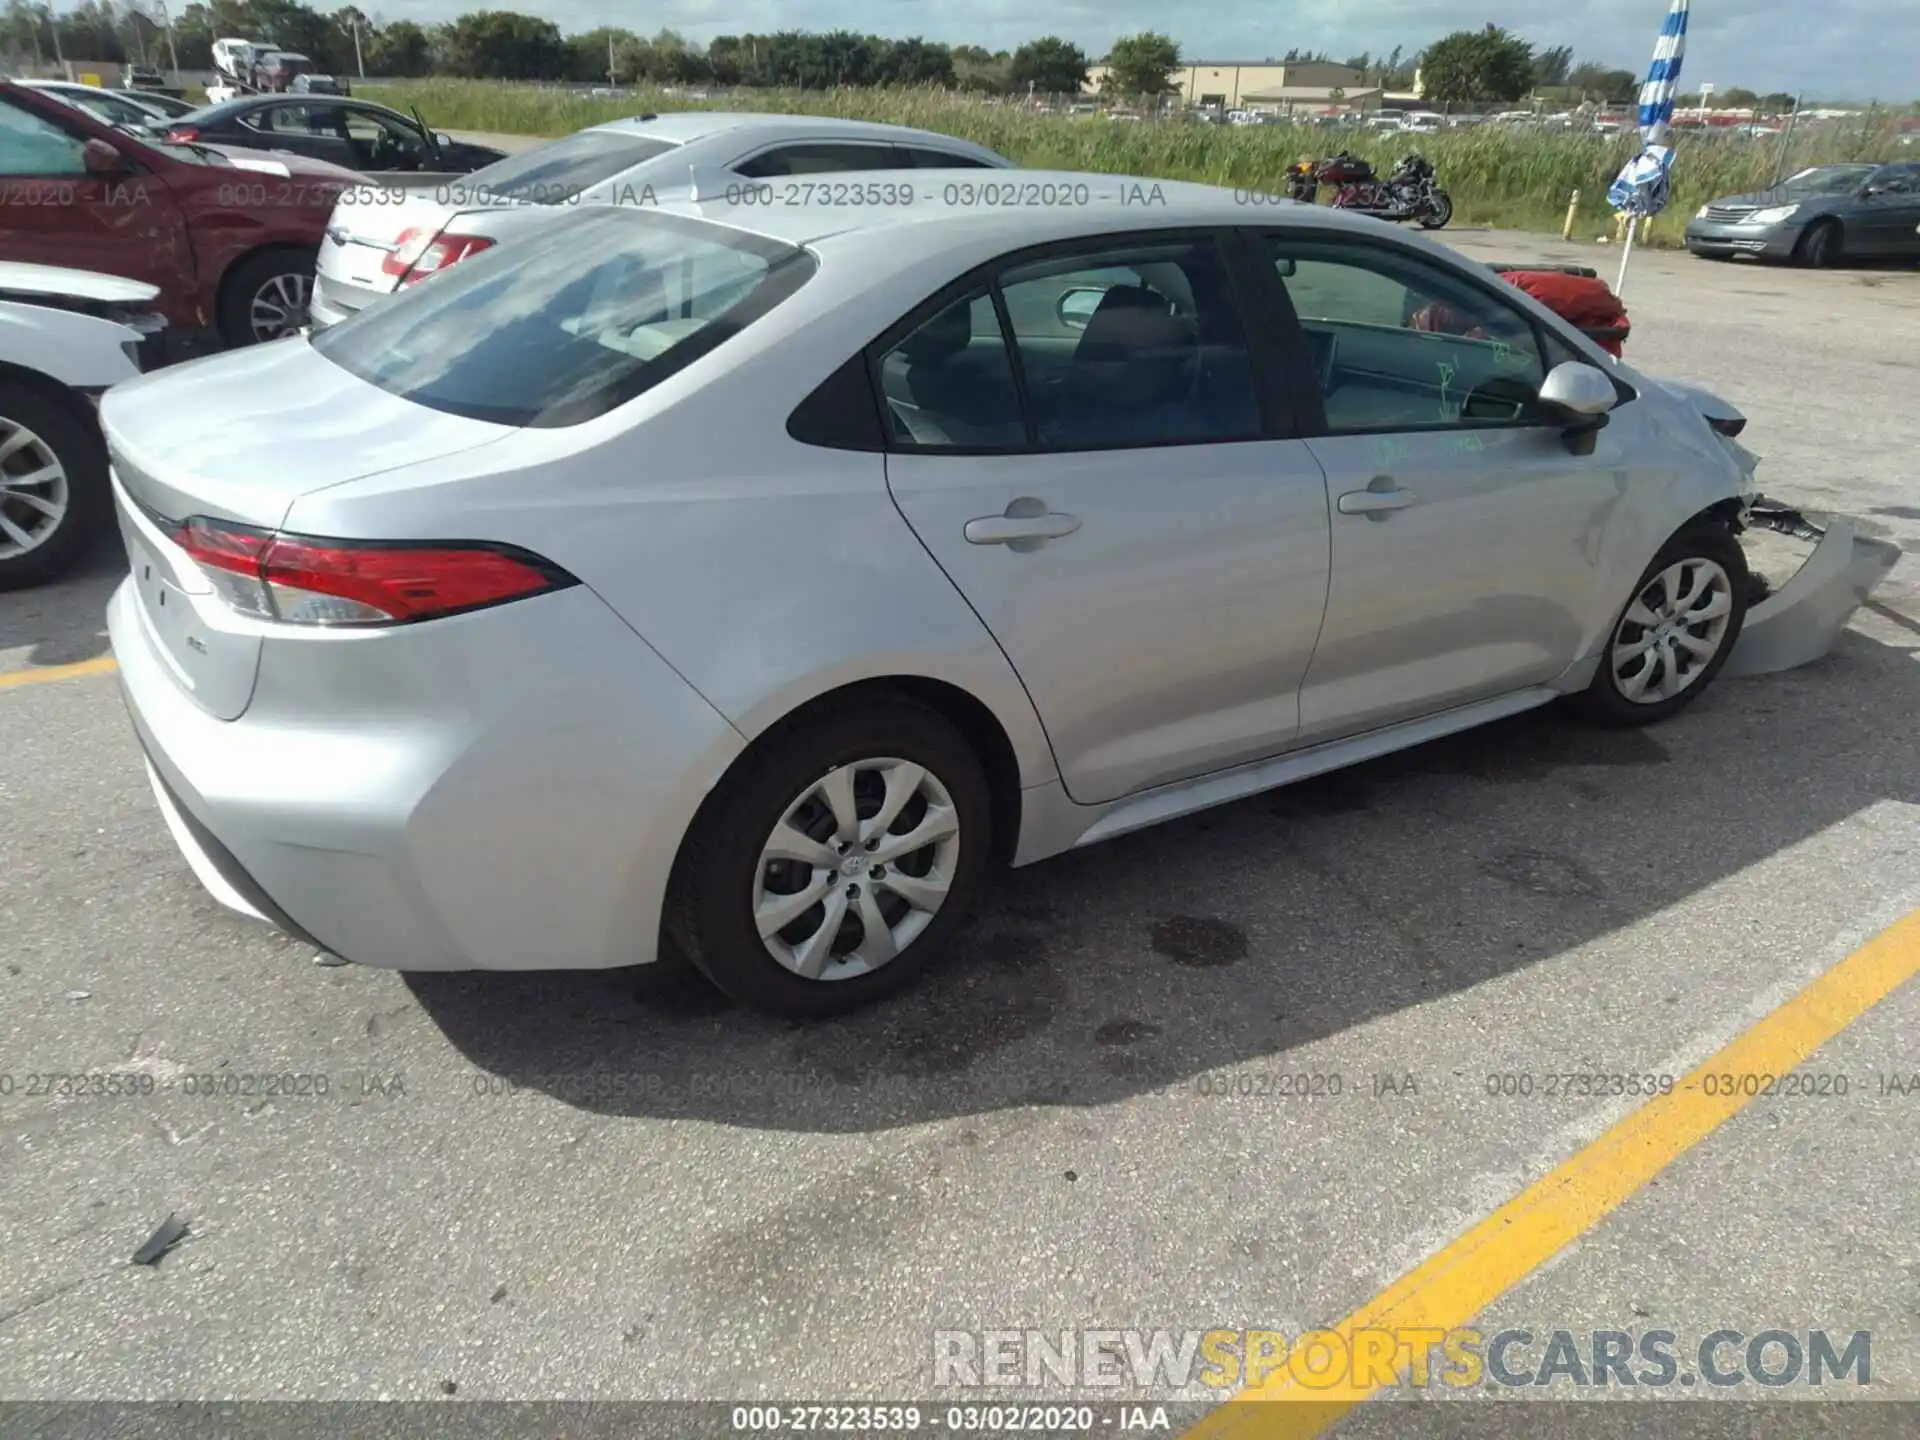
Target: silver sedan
x=758, y=574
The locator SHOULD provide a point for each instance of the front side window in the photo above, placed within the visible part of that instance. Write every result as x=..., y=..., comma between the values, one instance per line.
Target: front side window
x=32, y=146
x=569, y=322
x=1897, y=180
x=1397, y=343
x=382, y=143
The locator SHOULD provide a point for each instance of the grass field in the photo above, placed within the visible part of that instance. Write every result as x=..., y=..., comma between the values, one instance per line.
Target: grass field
x=1496, y=177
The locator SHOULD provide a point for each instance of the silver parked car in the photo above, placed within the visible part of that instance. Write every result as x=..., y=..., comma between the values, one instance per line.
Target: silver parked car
x=757, y=573
x=380, y=239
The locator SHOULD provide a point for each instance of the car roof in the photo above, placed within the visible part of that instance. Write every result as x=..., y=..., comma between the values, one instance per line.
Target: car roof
x=1012, y=208
x=683, y=126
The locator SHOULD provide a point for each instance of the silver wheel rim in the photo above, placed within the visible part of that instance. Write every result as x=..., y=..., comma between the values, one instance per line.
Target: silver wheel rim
x=1672, y=631
x=279, y=307
x=856, y=869
x=33, y=490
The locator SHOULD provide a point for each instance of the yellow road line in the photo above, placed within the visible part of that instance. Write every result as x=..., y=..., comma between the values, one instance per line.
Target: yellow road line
x=46, y=674
x=1447, y=1291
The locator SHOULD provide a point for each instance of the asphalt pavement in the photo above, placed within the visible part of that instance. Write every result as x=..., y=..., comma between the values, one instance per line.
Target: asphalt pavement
x=1239, y=1071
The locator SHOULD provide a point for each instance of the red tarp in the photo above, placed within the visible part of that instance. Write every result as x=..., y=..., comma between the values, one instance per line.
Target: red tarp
x=1582, y=300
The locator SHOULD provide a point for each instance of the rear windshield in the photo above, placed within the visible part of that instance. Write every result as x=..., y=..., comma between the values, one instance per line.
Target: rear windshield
x=570, y=321
x=556, y=174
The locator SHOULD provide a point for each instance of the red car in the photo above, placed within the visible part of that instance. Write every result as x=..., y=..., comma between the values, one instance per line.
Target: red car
x=230, y=239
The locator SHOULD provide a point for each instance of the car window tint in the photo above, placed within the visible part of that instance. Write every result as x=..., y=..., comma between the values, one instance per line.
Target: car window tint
x=1899, y=179
x=570, y=320
x=1400, y=344
x=923, y=159
x=555, y=174
x=818, y=159
x=1134, y=346
x=950, y=383
x=30, y=145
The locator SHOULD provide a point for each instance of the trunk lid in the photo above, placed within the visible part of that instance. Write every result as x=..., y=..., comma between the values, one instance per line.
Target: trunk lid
x=359, y=237
x=240, y=437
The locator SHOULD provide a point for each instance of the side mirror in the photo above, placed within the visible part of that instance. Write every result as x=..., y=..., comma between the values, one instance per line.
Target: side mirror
x=1286, y=267
x=1075, y=308
x=102, y=159
x=1580, y=397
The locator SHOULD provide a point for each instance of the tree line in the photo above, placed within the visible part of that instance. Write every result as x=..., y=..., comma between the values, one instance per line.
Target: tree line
x=1466, y=67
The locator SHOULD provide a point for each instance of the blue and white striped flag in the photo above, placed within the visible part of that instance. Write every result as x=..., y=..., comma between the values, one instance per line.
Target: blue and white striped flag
x=1663, y=76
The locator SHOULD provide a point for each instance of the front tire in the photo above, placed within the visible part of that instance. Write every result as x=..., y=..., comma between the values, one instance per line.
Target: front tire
x=1437, y=213
x=1674, y=633
x=1820, y=246
x=54, y=497
x=266, y=297
x=836, y=862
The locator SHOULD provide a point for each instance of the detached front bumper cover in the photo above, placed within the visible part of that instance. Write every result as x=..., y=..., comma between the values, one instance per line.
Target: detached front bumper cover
x=1800, y=621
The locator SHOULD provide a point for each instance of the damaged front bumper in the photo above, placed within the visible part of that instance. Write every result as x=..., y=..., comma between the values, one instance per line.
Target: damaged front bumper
x=1800, y=621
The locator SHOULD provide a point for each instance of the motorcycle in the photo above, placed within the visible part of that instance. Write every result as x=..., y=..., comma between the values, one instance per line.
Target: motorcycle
x=1410, y=193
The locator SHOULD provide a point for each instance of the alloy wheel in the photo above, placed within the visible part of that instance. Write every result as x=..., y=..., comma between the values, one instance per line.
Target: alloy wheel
x=1671, y=632
x=857, y=867
x=279, y=307
x=34, y=493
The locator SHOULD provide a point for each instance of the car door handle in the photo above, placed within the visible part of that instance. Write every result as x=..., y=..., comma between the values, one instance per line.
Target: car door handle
x=1382, y=495
x=1011, y=529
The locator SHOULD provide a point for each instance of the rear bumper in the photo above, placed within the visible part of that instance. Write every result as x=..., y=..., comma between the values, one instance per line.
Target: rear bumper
x=333, y=301
x=496, y=791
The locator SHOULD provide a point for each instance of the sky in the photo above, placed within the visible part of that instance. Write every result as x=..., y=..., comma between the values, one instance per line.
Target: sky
x=1831, y=49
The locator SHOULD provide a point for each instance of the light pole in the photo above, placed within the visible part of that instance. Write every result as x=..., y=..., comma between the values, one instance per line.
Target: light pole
x=53, y=23
x=1705, y=92
x=166, y=24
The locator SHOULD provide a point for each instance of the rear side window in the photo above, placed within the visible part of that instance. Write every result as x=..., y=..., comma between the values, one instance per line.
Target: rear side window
x=556, y=174
x=569, y=322
x=819, y=159
x=923, y=159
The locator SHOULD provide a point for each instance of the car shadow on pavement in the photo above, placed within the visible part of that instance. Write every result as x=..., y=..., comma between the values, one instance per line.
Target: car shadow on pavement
x=1237, y=935
x=65, y=621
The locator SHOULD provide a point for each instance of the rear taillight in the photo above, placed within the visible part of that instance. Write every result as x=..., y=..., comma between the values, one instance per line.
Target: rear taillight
x=420, y=253
x=306, y=581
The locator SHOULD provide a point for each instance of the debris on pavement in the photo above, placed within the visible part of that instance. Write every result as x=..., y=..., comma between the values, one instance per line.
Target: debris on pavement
x=171, y=1232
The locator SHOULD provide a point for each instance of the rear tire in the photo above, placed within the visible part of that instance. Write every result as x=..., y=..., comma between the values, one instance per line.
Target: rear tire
x=1673, y=634
x=265, y=297
x=799, y=816
x=1820, y=246
x=47, y=434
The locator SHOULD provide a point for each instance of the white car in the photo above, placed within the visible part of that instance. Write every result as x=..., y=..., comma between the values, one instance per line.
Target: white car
x=379, y=240
x=65, y=337
x=111, y=107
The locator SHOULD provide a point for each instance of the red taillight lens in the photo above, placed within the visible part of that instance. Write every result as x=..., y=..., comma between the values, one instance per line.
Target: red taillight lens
x=306, y=581
x=419, y=253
